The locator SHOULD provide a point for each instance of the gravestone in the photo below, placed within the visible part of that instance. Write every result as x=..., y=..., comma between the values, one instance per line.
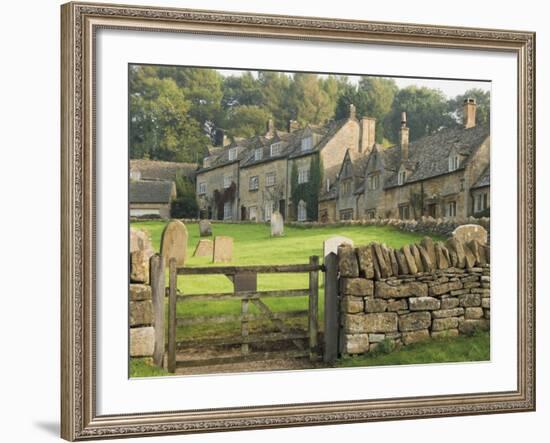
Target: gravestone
x=223, y=249
x=466, y=233
x=205, y=228
x=204, y=248
x=140, y=241
x=173, y=243
x=331, y=244
x=277, y=224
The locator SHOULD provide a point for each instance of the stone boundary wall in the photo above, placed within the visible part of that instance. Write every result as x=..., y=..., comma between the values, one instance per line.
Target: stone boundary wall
x=425, y=225
x=418, y=292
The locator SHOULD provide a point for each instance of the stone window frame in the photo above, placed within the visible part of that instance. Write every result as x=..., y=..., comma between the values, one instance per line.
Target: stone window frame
x=254, y=183
x=346, y=214
x=258, y=154
x=202, y=188
x=227, y=211
x=302, y=211
x=307, y=143
x=232, y=154
x=404, y=211
x=227, y=180
x=401, y=177
x=373, y=181
x=481, y=201
x=450, y=209
x=275, y=149
x=345, y=188
x=370, y=214
x=454, y=162
x=303, y=175
x=270, y=179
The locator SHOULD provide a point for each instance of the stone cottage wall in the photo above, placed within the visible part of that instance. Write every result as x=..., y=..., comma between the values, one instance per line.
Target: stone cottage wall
x=412, y=294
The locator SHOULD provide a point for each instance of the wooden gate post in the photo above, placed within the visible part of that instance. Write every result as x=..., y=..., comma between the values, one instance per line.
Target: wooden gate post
x=313, y=307
x=158, y=295
x=171, y=365
x=330, y=346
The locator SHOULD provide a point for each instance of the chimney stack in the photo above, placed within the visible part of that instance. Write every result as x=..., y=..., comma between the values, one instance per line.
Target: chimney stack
x=352, y=113
x=470, y=112
x=270, y=128
x=220, y=139
x=404, y=137
x=293, y=125
x=368, y=134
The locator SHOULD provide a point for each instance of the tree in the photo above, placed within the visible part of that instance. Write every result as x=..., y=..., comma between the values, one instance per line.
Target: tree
x=483, y=110
x=160, y=125
x=427, y=112
x=241, y=90
x=311, y=102
x=185, y=205
x=276, y=97
x=246, y=121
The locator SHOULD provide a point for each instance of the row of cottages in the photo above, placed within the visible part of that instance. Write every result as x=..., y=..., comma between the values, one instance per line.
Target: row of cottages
x=249, y=179
x=444, y=175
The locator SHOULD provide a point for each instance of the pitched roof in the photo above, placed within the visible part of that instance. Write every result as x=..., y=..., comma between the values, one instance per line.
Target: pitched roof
x=484, y=179
x=151, y=191
x=429, y=155
x=161, y=170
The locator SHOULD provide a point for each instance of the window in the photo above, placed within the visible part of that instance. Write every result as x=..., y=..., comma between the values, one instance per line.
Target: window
x=206, y=162
x=232, y=154
x=202, y=188
x=270, y=179
x=346, y=214
x=253, y=213
x=302, y=211
x=227, y=179
x=371, y=214
x=254, y=183
x=258, y=154
x=485, y=200
x=450, y=209
x=373, y=181
x=303, y=175
x=345, y=188
x=227, y=213
x=404, y=213
x=276, y=149
x=268, y=210
x=401, y=177
x=307, y=143
x=481, y=202
x=453, y=162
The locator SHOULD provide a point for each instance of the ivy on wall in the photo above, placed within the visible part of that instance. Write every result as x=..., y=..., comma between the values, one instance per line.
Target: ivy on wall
x=220, y=198
x=309, y=191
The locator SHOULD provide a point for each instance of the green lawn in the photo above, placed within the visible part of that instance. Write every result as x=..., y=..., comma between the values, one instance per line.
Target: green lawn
x=443, y=350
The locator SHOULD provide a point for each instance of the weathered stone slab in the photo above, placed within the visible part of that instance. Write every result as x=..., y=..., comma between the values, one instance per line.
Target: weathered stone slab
x=366, y=266
x=402, y=262
x=415, y=321
x=205, y=248
x=442, y=324
x=424, y=303
x=376, y=338
x=414, y=288
x=140, y=241
x=356, y=343
x=417, y=259
x=441, y=255
x=393, y=261
x=278, y=225
x=142, y=341
x=397, y=305
x=445, y=333
x=427, y=263
x=375, y=305
x=428, y=245
x=139, y=267
x=444, y=288
x=473, y=313
x=141, y=313
x=223, y=249
x=415, y=336
x=330, y=245
x=140, y=292
x=449, y=303
x=173, y=243
x=347, y=261
x=205, y=228
x=469, y=300
x=357, y=286
x=367, y=323
x=383, y=265
x=411, y=262
x=443, y=313
x=469, y=327
x=486, y=303
x=353, y=305
x=456, y=247
x=466, y=233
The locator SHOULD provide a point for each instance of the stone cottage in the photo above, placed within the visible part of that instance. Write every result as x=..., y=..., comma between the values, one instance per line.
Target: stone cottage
x=151, y=198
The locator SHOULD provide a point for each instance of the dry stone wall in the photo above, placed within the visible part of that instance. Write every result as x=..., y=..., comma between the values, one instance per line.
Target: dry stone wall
x=412, y=294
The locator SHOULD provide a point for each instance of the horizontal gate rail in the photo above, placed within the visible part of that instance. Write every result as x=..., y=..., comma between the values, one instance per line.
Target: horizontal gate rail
x=237, y=340
x=253, y=356
x=243, y=295
x=262, y=269
x=248, y=317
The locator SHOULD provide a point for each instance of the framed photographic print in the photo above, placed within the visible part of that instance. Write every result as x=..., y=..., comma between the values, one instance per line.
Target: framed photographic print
x=283, y=221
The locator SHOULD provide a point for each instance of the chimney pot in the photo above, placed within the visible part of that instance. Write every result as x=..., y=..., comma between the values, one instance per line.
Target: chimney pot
x=352, y=112
x=470, y=107
x=404, y=138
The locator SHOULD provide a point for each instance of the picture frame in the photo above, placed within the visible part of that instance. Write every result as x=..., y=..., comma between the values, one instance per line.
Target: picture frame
x=80, y=243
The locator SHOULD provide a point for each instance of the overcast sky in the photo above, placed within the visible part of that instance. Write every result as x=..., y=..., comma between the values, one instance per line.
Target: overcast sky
x=451, y=88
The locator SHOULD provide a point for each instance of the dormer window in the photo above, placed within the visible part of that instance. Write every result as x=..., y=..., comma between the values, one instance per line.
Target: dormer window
x=276, y=149
x=401, y=177
x=258, y=154
x=232, y=154
x=373, y=181
x=454, y=162
x=206, y=162
x=307, y=143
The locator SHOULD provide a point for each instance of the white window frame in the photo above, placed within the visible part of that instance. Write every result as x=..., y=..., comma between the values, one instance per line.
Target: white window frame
x=202, y=188
x=307, y=143
x=258, y=154
x=450, y=209
x=401, y=177
x=227, y=179
x=270, y=179
x=454, y=163
x=227, y=211
x=275, y=149
x=303, y=175
x=268, y=209
x=373, y=181
x=206, y=162
x=254, y=183
x=232, y=154
x=302, y=211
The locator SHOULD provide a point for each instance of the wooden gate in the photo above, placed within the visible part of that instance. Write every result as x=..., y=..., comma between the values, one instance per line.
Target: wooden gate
x=304, y=343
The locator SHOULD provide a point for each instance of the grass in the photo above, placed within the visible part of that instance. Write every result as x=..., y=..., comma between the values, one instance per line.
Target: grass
x=442, y=350
x=144, y=367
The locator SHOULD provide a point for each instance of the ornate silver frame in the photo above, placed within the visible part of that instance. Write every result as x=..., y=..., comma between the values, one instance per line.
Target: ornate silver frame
x=79, y=22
